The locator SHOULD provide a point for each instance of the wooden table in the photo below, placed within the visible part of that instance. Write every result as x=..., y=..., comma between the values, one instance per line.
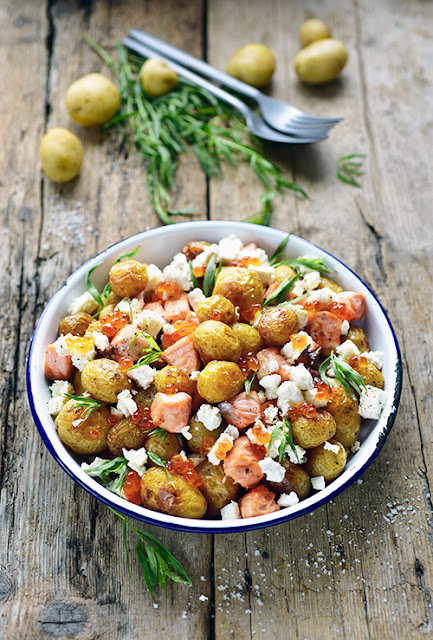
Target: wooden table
x=359, y=567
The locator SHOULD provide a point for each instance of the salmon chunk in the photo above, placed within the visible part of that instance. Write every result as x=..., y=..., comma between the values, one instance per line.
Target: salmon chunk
x=258, y=502
x=271, y=289
x=325, y=329
x=129, y=342
x=177, y=309
x=171, y=411
x=182, y=354
x=271, y=361
x=355, y=304
x=158, y=307
x=241, y=411
x=57, y=367
x=242, y=465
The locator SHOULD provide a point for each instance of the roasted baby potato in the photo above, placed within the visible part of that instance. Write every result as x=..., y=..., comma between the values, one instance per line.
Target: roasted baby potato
x=104, y=379
x=358, y=337
x=254, y=64
x=218, y=489
x=277, y=324
x=282, y=271
x=128, y=278
x=125, y=435
x=92, y=99
x=77, y=384
x=368, y=372
x=296, y=479
x=311, y=432
x=109, y=308
x=201, y=438
x=326, y=463
x=88, y=436
x=344, y=408
x=220, y=381
x=216, y=308
x=145, y=397
x=326, y=282
x=164, y=445
x=61, y=154
x=77, y=323
x=175, y=497
x=171, y=380
x=249, y=338
x=243, y=288
x=216, y=341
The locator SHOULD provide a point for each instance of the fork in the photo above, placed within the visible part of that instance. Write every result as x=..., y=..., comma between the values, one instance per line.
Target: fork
x=279, y=115
x=255, y=123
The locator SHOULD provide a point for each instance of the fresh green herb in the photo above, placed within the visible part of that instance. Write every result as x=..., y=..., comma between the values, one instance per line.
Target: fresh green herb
x=317, y=264
x=91, y=404
x=297, y=299
x=118, y=466
x=248, y=382
x=151, y=354
x=349, y=168
x=210, y=275
x=159, y=463
x=282, y=292
x=184, y=120
x=157, y=431
x=91, y=287
x=284, y=431
x=279, y=250
x=156, y=561
x=194, y=280
x=349, y=378
x=128, y=255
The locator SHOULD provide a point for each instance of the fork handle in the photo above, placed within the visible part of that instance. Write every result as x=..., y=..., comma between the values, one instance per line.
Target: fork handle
x=191, y=62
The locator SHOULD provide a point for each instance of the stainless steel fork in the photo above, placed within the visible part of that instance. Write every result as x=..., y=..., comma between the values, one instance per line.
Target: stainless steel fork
x=279, y=115
x=255, y=123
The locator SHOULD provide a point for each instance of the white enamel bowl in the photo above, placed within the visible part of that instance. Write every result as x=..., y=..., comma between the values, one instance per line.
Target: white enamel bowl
x=158, y=246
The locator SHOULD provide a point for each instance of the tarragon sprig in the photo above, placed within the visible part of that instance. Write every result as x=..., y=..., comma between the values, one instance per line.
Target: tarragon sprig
x=160, y=463
x=350, y=167
x=283, y=428
x=211, y=275
x=344, y=373
x=119, y=466
x=150, y=354
x=84, y=401
x=317, y=264
x=275, y=257
x=248, y=382
x=282, y=292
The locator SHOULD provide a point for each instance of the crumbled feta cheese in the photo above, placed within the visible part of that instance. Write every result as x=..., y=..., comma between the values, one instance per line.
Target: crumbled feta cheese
x=183, y=455
x=324, y=295
x=262, y=396
x=232, y=431
x=310, y=396
x=288, y=500
x=168, y=328
x=270, y=384
x=59, y=388
x=56, y=404
x=101, y=341
x=288, y=393
x=347, y=350
x=318, y=483
x=194, y=375
x=185, y=432
x=231, y=511
x=302, y=315
x=309, y=282
x=80, y=360
x=291, y=352
x=301, y=377
x=266, y=273
x=115, y=412
x=271, y=414
x=132, y=307
x=371, y=402
x=86, y=303
x=328, y=446
x=375, y=357
x=274, y=447
x=154, y=277
x=274, y=471
x=252, y=436
x=229, y=248
x=150, y=321
x=194, y=297
x=224, y=438
x=203, y=258
x=178, y=272
x=126, y=403
x=209, y=416
x=143, y=375
x=137, y=459
x=355, y=447
x=345, y=326
x=300, y=453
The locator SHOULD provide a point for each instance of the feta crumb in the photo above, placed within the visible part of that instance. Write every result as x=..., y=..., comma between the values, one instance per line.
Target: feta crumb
x=137, y=459
x=125, y=403
x=288, y=393
x=310, y=396
x=228, y=436
x=252, y=252
x=154, y=277
x=178, y=272
x=328, y=446
x=150, y=321
x=116, y=412
x=345, y=326
x=302, y=315
x=58, y=398
x=266, y=273
x=90, y=468
x=324, y=295
x=194, y=375
x=271, y=414
x=288, y=499
x=143, y=375
x=80, y=360
x=318, y=483
x=101, y=341
x=203, y=598
x=301, y=377
x=209, y=416
x=292, y=456
x=375, y=357
x=355, y=447
x=185, y=432
x=251, y=435
x=270, y=384
x=347, y=350
x=132, y=307
x=262, y=396
x=228, y=248
x=194, y=297
x=309, y=282
x=371, y=402
x=231, y=511
x=274, y=471
x=168, y=328
x=85, y=302
x=292, y=353
x=76, y=423
x=232, y=431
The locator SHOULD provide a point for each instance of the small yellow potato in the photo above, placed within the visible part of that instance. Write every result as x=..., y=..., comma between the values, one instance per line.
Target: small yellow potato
x=358, y=337
x=243, y=288
x=157, y=78
x=202, y=437
x=145, y=397
x=311, y=432
x=88, y=436
x=320, y=62
x=92, y=99
x=282, y=271
x=216, y=341
x=312, y=30
x=61, y=154
x=76, y=323
x=172, y=380
x=296, y=479
x=220, y=381
x=325, y=462
x=176, y=496
x=254, y=64
x=217, y=488
x=326, y=282
x=249, y=338
x=128, y=278
x=369, y=372
x=277, y=324
x=125, y=435
x=216, y=308
x=165, y=446
x=344, y=408
x=104, y=379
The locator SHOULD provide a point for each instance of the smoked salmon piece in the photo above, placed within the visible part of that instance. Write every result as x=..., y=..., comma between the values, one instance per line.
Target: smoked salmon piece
x=241, y=411
x=258, y=502
x=271, y=361
x=355, y=304
x=57, y=367
x=158, y=307
x=171, y=411
x=182, y=354
x=177, y=309
x=129, y=342
x=242, y=461
x=325, y=329
x=271, y=289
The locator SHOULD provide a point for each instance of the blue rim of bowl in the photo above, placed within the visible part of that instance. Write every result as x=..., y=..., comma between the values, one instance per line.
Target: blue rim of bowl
x=195, y=527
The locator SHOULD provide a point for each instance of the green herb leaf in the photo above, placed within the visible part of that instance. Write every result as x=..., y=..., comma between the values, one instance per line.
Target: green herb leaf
x=344, y=373
x=279, y=250
x=248, y=382
x=107, y=467
x=149, y=574
x=84, y=401
x=350, y=167
x=150, y=354
x=210, y=276
x=159, y=463
x=157, y=431
x=194, y=280
x=287, y=426
x=282, y=292
x=283, y=429
x=317, y=264
x=90, y=287
x=127, y=255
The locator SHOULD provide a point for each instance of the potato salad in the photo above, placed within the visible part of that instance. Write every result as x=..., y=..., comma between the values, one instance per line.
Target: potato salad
x=230, y=384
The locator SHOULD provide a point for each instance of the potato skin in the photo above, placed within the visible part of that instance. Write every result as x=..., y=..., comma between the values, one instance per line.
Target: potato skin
x=216, y=341
x=77, y=384
x=249, y=338
x=128, y=278
x=277, y=324
x=77, y=324
x=358, y=337
x=321, y=61
x=157, y=78
x=88, y=437
x=312, y=30
x=145, y=397
x=171, y=380
x=199, y=432
x=218, y=489
x=61, y=154
x=219, y=381
x=311, y=432
x=282, y=271
x=296, y=479
x=165, y=447
x=125, y=435
x=344, y=408
x=326, y=463
x=216, y=308
x=369, y=373
x=92, y=99
x=253, y=63
x=104, y=379
x=326, y=282
x=176, y=497
x=242, y=287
